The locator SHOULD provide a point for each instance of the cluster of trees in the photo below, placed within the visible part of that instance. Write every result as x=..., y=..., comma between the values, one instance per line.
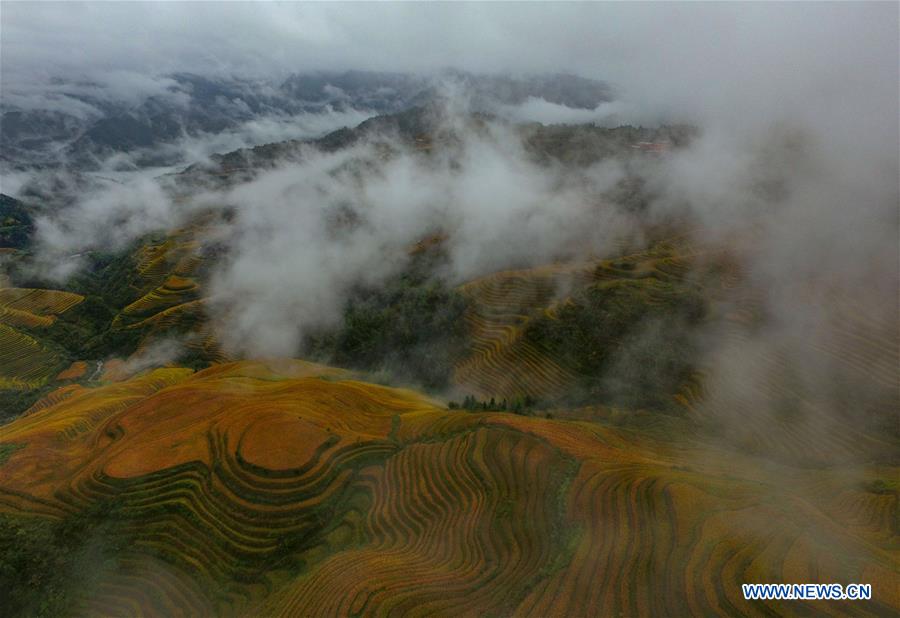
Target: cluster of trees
x=410, y=327
x=519, y=405
x=631, y=343
x=16, y=224
x=108, y=284
x=47, y=563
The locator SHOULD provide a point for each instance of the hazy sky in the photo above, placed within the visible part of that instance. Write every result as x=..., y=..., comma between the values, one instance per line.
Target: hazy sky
x=647, y=48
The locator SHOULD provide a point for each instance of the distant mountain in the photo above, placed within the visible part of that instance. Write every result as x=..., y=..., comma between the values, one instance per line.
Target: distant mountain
x=421, y=127
x=69, y=126
x=384, y=92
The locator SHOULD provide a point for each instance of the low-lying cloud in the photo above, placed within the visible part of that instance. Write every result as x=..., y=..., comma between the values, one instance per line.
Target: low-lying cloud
x=794, y=170
x=306, y=234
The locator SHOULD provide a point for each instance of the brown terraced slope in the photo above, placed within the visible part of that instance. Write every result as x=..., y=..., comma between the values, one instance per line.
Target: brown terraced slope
x=293, y=489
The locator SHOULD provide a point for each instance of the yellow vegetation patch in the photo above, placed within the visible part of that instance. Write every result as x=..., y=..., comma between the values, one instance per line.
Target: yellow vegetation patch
x=38, y=302
x=24, y=319
x=75, y=370
x=34, y=308
x=114, y=370
x=54, y=397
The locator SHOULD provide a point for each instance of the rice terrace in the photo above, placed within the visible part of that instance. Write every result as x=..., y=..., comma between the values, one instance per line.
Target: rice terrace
x=601, y=320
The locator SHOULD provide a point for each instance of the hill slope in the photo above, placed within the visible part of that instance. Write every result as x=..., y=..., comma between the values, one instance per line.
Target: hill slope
x=288, y=488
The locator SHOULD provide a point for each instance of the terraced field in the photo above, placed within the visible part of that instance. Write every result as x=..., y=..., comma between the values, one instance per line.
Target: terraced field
x=504, y=363
x=288, y=488
x=831, y=391
x=165, y=271
x=34, y=308
x=38, y=302
x=170, y=299
x=172, y=293
x=24, y=362
x=761, y=395
x=27, y=362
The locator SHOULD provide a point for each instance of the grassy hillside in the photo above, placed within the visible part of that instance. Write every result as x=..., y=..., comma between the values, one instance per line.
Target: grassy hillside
x=288, y=488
